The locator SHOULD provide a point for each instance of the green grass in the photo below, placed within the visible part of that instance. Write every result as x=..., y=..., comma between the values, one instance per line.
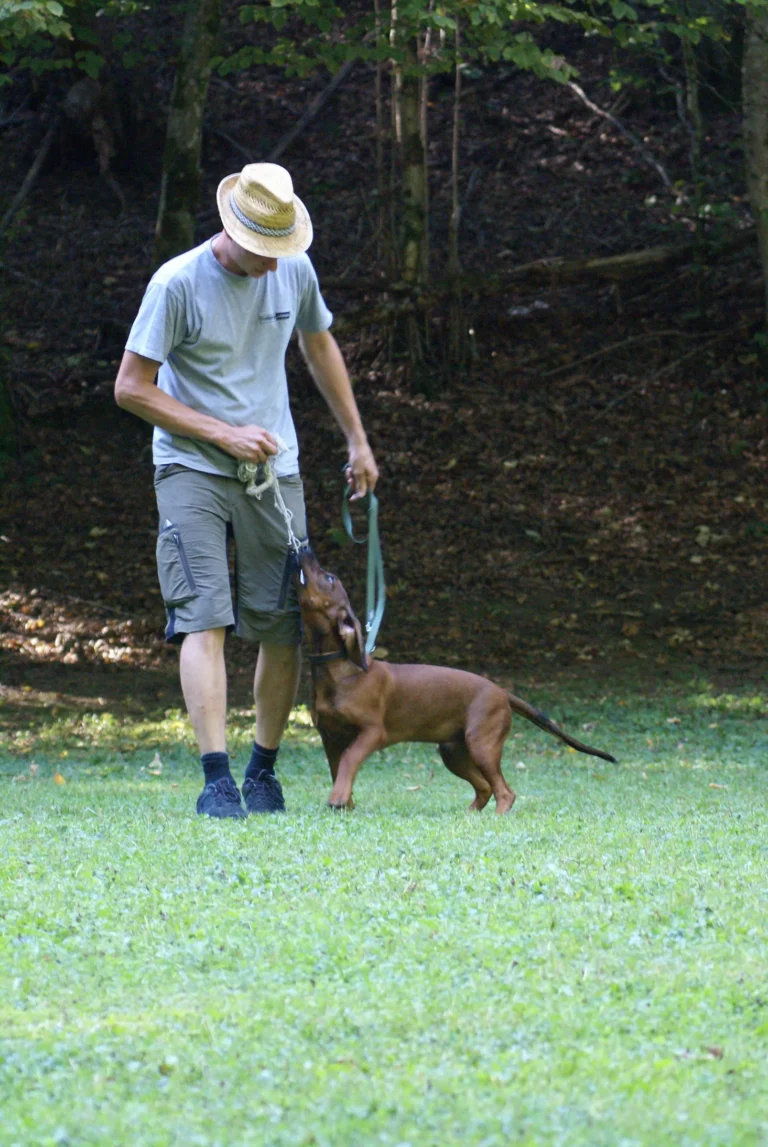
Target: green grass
x=591, y=969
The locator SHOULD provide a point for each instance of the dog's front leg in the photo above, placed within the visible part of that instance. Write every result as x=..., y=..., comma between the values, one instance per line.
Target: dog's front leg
x=365, y=743
x=334, y=746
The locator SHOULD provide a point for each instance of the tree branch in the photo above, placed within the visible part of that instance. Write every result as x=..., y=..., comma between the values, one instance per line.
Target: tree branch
x=551, y=272
x=636, y=143
x=318, y=103
x=31, y=175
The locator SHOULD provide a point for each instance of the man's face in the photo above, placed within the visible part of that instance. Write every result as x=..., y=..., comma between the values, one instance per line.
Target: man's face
x=255, y=266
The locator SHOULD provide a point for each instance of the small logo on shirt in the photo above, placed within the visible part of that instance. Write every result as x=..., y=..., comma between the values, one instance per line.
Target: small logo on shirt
x=277, y=317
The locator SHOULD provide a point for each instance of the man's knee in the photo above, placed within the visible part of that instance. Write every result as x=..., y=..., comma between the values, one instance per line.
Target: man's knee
x=277, y=658
x=204, y=642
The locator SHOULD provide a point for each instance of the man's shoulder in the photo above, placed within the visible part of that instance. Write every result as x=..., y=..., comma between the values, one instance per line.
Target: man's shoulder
x=182, y=268
x=297, y=269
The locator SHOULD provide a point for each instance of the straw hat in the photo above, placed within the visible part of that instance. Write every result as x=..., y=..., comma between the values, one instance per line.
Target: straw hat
x=260, y=211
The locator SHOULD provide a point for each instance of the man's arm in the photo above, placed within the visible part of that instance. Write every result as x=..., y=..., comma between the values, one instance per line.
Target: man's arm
x=136, y=391
x=326, y=365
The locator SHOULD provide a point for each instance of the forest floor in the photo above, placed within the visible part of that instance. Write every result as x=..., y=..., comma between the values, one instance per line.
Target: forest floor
x=587, y=499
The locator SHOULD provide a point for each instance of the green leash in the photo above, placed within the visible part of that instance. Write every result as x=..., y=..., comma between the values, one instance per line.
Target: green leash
x=376, y=590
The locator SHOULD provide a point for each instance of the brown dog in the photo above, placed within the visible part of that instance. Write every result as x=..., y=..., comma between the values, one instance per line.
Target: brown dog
x=359, y=706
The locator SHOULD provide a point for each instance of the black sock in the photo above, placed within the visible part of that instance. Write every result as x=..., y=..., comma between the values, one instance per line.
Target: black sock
x=261, y=759
x=215, y=766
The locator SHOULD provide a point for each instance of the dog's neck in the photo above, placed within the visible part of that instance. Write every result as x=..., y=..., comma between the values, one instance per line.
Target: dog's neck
x=323, y=658
x=330, y=663
x=325, y=648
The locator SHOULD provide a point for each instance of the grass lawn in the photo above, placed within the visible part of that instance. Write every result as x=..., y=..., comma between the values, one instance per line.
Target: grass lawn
x=591, y=969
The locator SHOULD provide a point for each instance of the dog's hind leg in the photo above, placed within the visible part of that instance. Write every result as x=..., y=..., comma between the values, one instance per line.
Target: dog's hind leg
x=485, y=743
x=456, y=758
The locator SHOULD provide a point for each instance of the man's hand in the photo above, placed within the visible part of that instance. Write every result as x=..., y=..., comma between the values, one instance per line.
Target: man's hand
x=327, y=368
x=136, y=390
x=362, y=472
x=247, y=443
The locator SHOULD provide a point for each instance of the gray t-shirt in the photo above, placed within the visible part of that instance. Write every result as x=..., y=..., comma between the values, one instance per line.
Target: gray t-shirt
x=221, y=339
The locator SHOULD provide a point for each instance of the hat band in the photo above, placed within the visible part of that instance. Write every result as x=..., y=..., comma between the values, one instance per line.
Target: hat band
x=275, y=232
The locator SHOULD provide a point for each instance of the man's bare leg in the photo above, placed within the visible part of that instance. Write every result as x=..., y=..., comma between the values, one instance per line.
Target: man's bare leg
x=274, y=691
x=204, y=685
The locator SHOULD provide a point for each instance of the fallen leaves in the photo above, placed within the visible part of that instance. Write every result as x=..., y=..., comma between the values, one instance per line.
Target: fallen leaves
x=33, y=773
x=713, y=1052
x=22, y=777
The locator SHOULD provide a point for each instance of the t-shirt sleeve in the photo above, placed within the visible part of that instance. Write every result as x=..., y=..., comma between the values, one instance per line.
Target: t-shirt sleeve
x=312, y=314
x=160, y=324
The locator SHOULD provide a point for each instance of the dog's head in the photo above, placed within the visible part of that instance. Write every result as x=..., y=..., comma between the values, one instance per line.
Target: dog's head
x=325, y=608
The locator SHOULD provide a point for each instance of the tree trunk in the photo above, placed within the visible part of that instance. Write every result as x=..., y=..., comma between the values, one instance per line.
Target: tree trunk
x=696, y=129
x=8, y=440
x=456, y=339
x=180, y=184
x=414, y=246
x=412, y=222
x=424, y=56
x=384, y=242
x=755, y=99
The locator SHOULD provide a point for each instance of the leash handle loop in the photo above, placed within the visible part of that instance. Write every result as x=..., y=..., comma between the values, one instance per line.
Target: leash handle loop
x=375, y=587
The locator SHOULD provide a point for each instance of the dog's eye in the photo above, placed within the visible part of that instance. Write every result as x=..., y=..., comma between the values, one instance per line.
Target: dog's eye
x=330, y=579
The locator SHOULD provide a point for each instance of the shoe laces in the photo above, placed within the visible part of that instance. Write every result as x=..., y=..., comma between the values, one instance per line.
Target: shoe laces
x=264, y=788
x=269, y=780
x=265, y=780
x=226, y=787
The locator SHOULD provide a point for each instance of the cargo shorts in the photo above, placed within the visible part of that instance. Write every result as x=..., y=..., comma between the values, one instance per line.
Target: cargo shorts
x=199, y=514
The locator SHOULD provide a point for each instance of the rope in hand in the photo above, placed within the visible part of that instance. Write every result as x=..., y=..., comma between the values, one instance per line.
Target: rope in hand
x=260, y=477
x=376, y=589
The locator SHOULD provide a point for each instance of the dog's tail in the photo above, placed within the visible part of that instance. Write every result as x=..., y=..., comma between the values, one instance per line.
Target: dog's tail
x=543, y=722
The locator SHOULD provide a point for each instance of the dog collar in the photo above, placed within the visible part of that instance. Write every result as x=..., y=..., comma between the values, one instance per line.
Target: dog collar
x=319, y=658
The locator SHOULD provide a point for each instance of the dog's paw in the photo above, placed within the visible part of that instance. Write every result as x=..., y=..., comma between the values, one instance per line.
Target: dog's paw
x=341, y=806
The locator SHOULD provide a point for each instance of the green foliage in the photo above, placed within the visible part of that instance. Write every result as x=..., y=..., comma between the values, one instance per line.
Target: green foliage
x=26, y=28
x=21, y=20
x=663, y=22
x=29, y=29
x=405, y=973
x=493, y=31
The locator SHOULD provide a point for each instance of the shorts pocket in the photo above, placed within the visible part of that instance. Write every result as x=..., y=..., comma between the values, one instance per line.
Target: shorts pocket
x=177, y=584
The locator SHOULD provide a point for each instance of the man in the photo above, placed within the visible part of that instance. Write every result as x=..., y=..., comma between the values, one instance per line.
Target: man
x=205, y=364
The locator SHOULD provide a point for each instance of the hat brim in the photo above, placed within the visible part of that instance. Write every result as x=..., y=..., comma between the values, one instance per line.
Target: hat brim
x=277, y=247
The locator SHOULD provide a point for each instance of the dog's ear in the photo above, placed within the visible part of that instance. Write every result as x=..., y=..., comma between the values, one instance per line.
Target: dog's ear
x=351, y=633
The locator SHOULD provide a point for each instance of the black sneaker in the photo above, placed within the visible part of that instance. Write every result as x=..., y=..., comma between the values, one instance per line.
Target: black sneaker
x=220, y=798
x=263, y=794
